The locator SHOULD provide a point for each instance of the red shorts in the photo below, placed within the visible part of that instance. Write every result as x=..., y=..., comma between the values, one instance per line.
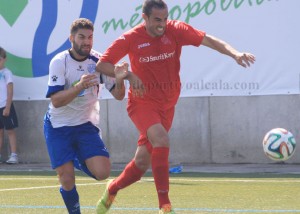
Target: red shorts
x=145, y=115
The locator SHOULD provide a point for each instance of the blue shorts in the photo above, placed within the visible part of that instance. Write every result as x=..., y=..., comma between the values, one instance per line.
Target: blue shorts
x=9, y=122
x=70, y=142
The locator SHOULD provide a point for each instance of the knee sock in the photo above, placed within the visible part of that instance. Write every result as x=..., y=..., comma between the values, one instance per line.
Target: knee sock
x=130, y=175
x=71, y=199
x=160, y=170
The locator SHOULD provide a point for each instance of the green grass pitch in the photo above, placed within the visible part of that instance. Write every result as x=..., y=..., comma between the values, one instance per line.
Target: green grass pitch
x=37, y=192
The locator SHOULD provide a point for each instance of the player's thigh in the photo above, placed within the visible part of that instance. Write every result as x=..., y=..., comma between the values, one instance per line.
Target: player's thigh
x=144, y=115
x=167, y=117
x=10, y=121
x=89, y=142
x=99, y=166
x=158, y=135
x=1, y=119
x=59, y=143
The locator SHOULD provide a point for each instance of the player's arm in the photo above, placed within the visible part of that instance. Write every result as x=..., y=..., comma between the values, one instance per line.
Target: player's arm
x=243, y=59
x=121, y=72
x=106, y=64
x=135, y=82
x=6, y=111
x=105, y=68
x=64, y=97
x=108, y=69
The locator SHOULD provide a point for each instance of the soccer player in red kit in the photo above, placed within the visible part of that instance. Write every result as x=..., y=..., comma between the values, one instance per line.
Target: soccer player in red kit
x=154, y=49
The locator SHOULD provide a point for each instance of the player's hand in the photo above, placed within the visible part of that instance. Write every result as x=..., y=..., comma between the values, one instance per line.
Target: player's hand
x=244, y=59
x=6, y=112
x=88, y=80
x=121, y=71
x=137, y=86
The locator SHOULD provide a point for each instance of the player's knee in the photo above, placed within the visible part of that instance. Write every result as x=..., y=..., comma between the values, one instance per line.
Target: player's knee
x=142, y=163
x=101, y=175
x=67, y=181
x=161, y=141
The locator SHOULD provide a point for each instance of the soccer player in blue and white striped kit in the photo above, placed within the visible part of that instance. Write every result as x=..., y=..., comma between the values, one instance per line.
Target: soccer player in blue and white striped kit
x=70, y=124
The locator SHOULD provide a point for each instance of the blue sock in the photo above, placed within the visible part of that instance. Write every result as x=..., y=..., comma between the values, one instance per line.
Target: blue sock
x=71, y=199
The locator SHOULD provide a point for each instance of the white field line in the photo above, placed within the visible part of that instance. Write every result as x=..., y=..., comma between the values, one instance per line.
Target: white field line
x=47, y=187
x=40, y=178
x=255, y=180
x=147, y=180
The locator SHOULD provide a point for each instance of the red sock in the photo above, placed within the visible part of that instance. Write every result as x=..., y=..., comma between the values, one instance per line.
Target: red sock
x=130, y=175
x=160, y=170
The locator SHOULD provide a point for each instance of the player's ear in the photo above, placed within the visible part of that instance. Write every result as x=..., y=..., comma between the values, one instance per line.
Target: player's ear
x=144, y=16
x=71, y=38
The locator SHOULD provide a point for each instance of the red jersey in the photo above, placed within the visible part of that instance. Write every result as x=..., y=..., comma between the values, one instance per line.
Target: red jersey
x=155, y=60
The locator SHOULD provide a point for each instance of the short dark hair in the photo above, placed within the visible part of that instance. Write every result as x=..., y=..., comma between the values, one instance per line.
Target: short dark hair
x=2, y=53
x=81, y=23
x=149, y=4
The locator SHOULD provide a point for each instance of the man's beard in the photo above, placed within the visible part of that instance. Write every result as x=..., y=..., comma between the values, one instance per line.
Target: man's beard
x=78, y=50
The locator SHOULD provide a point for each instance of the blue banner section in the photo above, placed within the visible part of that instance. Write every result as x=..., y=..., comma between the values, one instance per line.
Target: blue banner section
x=40, y=58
